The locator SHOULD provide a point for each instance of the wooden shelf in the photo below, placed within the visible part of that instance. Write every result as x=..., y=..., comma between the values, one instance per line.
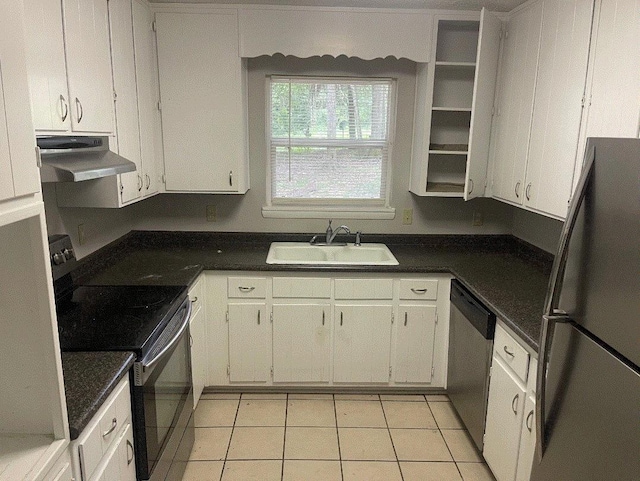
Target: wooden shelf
x=449, y=152
x=456, y=64
x=444, y=189
x=448, y=148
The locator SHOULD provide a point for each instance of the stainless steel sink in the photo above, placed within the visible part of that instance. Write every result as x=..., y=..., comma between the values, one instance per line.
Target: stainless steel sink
x=339, y=254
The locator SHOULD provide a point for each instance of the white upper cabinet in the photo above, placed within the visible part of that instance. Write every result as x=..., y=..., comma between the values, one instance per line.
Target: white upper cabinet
x=69, y=66
x=614, y=100
x=202, y=89
x=454, y=100
x=18, y=168
x=86, y=34
x=47, y=66
x=558, y=105
x=521, y=45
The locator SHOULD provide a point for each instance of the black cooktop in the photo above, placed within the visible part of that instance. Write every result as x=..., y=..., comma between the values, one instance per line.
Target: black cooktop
x=116, y=318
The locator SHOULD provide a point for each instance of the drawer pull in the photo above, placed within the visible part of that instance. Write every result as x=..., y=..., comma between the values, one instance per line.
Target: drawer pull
x=323, y=318
x=418, y=291
x=190, y=340
x=259, y=317
x=195, y=299
x=509, y=353
x=341, y=317
x=114, y=425
x=129, y=450
x=528, y=422
x=514, y=404
x=246, y=289
x=405, y=318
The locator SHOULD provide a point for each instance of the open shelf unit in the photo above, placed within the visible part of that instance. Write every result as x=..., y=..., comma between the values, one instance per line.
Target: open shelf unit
x=448, y=92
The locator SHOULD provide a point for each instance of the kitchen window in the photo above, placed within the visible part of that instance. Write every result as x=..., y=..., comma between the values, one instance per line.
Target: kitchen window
x=329, y=145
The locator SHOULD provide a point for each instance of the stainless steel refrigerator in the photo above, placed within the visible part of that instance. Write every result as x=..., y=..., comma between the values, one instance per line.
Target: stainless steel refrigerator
x=588, y=393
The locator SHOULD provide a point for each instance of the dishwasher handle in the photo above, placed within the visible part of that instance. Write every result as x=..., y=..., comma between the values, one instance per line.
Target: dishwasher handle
x=481, y=318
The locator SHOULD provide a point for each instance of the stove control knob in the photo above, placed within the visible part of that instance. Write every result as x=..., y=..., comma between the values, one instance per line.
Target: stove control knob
x=68, y=254
x=58, y=258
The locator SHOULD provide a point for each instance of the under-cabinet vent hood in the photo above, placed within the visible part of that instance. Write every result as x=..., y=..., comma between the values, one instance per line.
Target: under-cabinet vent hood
x=73, y=159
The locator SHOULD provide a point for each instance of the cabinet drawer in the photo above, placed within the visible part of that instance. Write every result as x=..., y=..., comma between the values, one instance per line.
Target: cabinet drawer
x=247, y=287
x=419, y=289
x=196, y=294
x=103, y=429
x=513, y=354
x=364, y=289
x=306, y=287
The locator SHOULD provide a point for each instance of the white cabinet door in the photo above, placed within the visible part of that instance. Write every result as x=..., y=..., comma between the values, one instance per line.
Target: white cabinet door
x=414, y=343
x=504, y=422
x=86, y=30
x=557, y=111
x=18, y=169
x=249, y=340
x=484, y=86
x=301, y=342
x=527, y=441
x=144, y=41
x=126, y=96
x=362, y=343
x=46, y=66
x=614, y=109
x=201, y=87
x=198, y=354
x=515, y=102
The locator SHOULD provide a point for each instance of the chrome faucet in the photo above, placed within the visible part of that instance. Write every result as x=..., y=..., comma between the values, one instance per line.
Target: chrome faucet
x=331, y=234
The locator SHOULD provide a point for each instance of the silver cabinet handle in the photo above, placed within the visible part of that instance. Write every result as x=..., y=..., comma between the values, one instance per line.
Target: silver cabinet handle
x=405, y=318
x=514, y=403
x=195, y=299
x=517, y=190
x=509, y=353
x=148, y=180
x=65, y=106
x=418, y=291
x=246, y=289
x=114, y=425
x=527, y=191
x=259, y=316
x=79, y=110
x=323, y=318
x=190, y=340
x=129, y=450
x=341, y=317
x=470, y=186
x=140, y=183
x=528, y=422
x=231, y=178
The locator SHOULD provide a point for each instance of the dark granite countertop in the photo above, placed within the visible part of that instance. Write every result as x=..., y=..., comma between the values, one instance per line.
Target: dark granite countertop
x=507, y=274
x=89, y=378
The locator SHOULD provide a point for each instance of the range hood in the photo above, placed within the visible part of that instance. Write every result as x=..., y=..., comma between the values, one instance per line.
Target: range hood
x=74, y=159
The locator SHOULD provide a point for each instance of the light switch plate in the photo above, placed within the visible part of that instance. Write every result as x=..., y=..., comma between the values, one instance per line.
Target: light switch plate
x=407, y=216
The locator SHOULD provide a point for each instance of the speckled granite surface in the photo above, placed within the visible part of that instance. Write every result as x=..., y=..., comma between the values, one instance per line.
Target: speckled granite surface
x=505, y=273
x=89, y=378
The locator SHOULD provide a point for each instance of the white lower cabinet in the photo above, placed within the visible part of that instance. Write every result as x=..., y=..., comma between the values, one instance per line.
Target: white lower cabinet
x=197, y=341
x=362, y=343
x=249, y=342
x=414, y=343
x=301, y=342
x=509, y=437
x=326, y=329
x=104, y=449
x=61, y=470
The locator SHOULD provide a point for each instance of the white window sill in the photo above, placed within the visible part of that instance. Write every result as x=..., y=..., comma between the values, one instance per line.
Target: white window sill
x=342, y=212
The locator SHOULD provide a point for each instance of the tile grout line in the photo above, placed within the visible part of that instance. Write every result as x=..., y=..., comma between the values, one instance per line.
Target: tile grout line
x=384, y=414
x=335, y=415
x=284, y=440
x=226, y=454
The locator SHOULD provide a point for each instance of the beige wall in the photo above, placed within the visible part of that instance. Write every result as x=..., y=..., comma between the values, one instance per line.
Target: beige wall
x=537, y=229
x=242, y=213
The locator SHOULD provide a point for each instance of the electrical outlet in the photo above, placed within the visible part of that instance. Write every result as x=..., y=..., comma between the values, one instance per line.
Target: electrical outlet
x=81, y=237
x=477, y=218
x=407, y=216
x=212, y=213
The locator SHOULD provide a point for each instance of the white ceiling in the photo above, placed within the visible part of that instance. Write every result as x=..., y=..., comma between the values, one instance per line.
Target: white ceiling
x=495, y=5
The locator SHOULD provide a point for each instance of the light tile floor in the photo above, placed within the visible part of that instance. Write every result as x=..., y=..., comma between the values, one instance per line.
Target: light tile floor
x=325, y=437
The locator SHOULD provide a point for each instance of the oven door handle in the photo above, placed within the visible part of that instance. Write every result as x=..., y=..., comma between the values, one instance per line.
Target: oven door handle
x=186, y=307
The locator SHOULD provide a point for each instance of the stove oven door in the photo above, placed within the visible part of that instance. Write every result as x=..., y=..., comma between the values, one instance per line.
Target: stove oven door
x=163, y=402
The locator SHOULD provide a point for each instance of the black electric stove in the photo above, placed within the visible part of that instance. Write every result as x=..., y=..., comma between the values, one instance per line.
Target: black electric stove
x=116, y=318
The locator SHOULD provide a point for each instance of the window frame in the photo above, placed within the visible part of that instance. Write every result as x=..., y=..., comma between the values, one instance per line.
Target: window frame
x=321, y=208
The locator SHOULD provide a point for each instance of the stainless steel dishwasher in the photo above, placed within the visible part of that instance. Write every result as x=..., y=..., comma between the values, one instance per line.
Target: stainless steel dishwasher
x=471, y=332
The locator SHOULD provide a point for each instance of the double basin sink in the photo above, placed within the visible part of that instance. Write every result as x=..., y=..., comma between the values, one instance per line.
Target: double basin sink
x=333, y=254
